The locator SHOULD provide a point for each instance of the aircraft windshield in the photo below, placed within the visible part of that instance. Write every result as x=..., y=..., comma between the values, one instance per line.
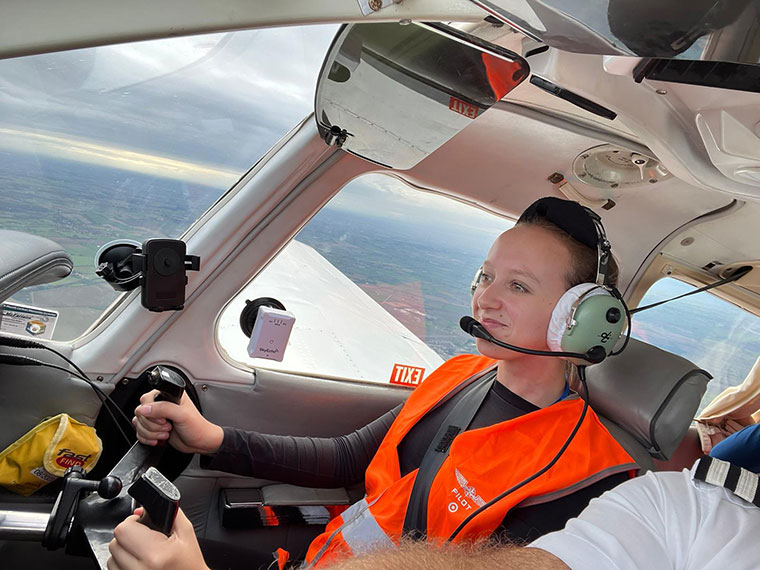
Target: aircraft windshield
x=138, y=140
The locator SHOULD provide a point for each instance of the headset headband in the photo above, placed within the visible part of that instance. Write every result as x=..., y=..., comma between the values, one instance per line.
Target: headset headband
x=603, y=253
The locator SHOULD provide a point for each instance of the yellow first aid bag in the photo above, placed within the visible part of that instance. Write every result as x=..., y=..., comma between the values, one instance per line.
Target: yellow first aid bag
x=44, y=453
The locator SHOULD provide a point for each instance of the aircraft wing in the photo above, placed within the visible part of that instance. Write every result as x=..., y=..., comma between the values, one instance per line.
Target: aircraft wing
x=356, y=338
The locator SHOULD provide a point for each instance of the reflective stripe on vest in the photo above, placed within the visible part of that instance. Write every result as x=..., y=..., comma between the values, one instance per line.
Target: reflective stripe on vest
x=360, y=531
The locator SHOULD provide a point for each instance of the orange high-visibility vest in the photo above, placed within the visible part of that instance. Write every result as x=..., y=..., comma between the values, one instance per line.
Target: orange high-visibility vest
x=482, y=463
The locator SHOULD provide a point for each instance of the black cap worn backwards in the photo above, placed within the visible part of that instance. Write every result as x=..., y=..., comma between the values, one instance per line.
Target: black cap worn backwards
x=576, y=220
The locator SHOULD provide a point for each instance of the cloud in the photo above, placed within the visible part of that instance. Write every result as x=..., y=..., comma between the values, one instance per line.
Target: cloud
x=199, y=109
x=219, y=99
x=389, y=196
x=111, y=157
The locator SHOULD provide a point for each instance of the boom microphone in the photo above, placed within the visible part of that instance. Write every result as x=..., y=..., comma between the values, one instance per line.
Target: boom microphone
x=473, y=328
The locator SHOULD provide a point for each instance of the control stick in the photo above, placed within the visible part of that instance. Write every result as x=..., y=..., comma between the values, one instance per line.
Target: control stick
x=169, y=383
x=170, y=386
x=97, y=515
x=160, y=499
x=86, y=511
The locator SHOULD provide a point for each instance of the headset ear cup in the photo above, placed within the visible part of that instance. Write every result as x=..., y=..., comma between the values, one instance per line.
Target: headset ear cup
x=597, y=318
x=563, y=312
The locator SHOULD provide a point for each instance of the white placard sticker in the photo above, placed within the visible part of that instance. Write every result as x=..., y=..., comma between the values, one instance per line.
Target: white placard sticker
x=28, y=321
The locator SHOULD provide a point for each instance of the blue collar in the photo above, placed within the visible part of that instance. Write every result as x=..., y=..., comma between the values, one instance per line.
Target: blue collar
x=565, y=392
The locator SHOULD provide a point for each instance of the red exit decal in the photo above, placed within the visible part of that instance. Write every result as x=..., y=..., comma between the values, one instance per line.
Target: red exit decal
x=459, y=106
x=407, y=375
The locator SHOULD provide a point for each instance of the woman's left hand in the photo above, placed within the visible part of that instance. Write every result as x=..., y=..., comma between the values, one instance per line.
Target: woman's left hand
x=136, y=547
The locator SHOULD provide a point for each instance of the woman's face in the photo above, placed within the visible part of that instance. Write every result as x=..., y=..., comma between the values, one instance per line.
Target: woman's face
x=523, y=278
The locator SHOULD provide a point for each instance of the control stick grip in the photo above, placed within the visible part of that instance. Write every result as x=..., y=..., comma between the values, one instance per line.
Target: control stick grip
x=168, y=382
x=160, y=499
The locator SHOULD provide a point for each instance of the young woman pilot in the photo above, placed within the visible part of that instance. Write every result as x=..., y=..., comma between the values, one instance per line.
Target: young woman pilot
x=437, y=467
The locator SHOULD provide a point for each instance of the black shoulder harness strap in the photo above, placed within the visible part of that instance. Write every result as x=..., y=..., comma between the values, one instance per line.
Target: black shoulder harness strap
x=457, y=420
x=739, y=481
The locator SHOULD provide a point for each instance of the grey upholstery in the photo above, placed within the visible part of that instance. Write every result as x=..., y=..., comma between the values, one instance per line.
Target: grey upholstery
x=649, y=393
x=27, y=259
x=635, y=449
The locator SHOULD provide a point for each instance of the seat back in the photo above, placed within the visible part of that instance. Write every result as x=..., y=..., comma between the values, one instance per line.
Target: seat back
x=650, y=394
x=29, y=260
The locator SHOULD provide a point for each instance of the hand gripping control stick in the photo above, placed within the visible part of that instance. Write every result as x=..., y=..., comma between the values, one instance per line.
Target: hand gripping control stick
x=168, y=383
x=160, y=499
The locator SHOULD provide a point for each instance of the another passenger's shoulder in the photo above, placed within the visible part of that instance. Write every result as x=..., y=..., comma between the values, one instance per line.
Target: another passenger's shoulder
x=677, y=488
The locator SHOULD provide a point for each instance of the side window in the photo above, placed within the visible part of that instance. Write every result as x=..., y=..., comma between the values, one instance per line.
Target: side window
x=714, y=334
x=135, y=141
x=377, y=281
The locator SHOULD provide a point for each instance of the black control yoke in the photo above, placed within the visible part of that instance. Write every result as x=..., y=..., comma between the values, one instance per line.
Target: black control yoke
x=134, y=477
x=169, y=384
x=158, y=497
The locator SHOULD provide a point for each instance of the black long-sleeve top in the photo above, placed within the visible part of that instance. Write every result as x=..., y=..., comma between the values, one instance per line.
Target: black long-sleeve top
x=341, y=461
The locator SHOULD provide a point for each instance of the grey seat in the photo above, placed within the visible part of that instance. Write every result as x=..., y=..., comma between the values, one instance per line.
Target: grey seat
x=647, y=398
x=30, y=260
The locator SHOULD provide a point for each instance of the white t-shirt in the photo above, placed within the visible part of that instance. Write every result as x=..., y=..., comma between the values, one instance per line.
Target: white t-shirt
x=666, y=521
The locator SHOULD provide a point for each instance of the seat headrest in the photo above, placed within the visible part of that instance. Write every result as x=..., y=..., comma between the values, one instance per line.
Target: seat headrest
x=29, y=260
x=650, y=393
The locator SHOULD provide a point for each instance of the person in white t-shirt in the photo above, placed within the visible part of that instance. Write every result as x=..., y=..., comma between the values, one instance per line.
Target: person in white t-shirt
x=666, y=520
x=685, y=520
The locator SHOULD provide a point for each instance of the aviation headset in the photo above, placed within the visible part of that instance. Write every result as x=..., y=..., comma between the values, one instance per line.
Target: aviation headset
x=589, y=314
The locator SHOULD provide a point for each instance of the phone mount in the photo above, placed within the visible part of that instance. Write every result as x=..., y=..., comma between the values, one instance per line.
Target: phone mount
x=159, y=266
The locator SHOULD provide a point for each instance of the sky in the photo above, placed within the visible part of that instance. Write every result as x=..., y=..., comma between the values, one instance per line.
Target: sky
x=199, y=109
x=395, y=199
x=183, y=99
